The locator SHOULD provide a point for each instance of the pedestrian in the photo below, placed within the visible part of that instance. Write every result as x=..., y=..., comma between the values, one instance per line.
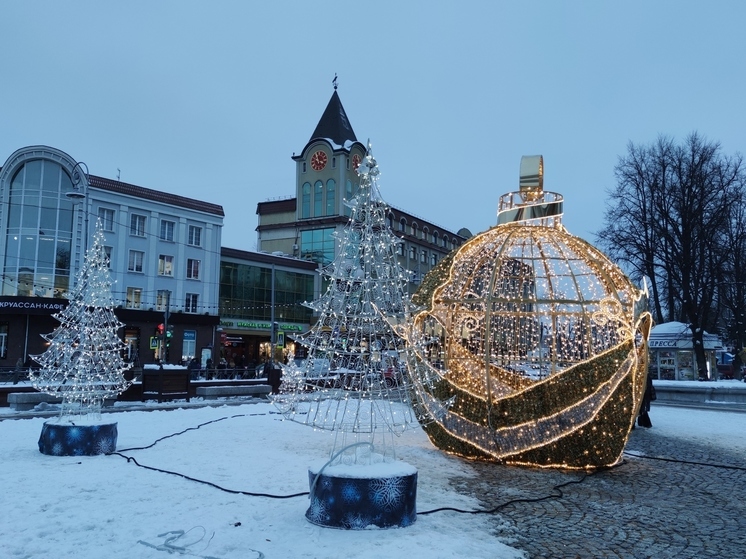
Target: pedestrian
x=643, y=420
x=17, y=373
x=274, y=376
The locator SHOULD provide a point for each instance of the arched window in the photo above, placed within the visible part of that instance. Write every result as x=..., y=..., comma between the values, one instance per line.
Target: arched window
x=414, y=229
x=348, y=197
x=39, y=236
x=331, y=197
x=318, y=199
x=425, y=233
x=390, y=221
x=435, y=238
x=305, y=205
x=445, y=241
x=403, y=225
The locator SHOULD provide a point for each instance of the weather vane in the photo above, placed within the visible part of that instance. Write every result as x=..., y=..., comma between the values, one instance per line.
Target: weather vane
x=334, y=81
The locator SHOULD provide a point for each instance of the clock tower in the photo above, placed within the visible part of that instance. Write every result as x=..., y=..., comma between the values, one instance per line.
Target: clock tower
x=325, y=168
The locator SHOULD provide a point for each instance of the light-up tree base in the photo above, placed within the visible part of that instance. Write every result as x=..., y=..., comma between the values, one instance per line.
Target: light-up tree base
x=359, y=497
x=66, y=437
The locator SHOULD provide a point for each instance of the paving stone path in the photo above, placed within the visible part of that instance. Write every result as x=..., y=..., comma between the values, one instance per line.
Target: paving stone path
x=644, y=508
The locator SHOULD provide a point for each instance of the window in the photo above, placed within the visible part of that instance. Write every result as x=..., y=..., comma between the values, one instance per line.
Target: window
x=400, y=249
x=304, y=166
x=445, y=241
x=414, y=230
x=137, y=225
x=190, y=305
x=195, y=236
x=412, y=253
x=107, y=251
x=107, y=218
x=167, y=230
x=135, y=261
x=423, y=256
x=305, y=205
x=192, y=269
x=318, y=198
x=134, y=296
x=334, y=162
x=166, y=265
x=189, y=345
x=425, y=233
x=435, y=238
x=402, y=225
x=331, y=199
x=4, y=340
x=433, y=259
x=348, y=197
x=163, y=299
x=317, y=245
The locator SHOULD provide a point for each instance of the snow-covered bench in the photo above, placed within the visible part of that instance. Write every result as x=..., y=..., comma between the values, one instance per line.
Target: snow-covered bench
x=214, y=392
x=24, y=401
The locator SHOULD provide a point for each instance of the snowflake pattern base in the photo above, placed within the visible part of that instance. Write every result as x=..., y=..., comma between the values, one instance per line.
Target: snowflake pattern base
x=67, y=439
x=362, y=503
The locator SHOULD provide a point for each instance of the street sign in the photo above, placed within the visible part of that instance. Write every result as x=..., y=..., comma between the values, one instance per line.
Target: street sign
x=280, y=339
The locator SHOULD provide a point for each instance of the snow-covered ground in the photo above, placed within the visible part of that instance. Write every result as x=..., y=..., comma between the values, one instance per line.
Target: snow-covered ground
x=105, y=506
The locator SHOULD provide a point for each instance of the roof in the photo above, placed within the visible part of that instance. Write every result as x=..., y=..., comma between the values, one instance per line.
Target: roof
x=154, y=195
x=265, y=258
x=334, y=124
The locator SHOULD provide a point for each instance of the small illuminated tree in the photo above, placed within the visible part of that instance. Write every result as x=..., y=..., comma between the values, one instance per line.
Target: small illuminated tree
x=84, y=364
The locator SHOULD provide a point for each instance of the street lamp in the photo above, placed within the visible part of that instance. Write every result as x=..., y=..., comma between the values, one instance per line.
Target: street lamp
x=80, y=194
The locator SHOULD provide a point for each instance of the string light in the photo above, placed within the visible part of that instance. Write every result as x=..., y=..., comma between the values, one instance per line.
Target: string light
x=531, y=348
x=353, y=380
x=84, y=362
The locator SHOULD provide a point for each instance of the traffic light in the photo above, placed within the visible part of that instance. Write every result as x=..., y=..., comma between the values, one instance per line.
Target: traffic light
x=169, y=334
x=160, y=329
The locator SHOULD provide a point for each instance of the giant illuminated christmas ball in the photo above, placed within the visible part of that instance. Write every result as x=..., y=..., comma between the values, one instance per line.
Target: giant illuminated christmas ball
x=532, y=345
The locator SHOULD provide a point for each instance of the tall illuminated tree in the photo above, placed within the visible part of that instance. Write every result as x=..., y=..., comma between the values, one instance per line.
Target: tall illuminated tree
x=352, y=381
x=84, y=363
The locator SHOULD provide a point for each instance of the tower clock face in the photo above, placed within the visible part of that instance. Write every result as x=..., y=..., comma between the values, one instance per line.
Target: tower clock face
x=318, y=160
x=355, y=161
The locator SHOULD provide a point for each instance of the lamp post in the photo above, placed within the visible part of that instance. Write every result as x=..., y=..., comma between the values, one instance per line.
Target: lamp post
x=79, y=193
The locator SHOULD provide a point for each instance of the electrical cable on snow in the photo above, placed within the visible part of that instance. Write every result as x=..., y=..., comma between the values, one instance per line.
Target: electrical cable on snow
x=556, y=490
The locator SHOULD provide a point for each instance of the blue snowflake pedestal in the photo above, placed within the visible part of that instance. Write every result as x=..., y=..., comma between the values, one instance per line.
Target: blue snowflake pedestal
x=69, y=437
x=355, y=497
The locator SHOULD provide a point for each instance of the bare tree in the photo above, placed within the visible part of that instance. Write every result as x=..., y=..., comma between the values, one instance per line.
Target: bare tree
x=668, y=219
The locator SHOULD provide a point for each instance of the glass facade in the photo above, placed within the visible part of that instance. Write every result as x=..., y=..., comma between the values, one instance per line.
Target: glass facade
x=317, y=245
x=39, y=234
x=246, y=292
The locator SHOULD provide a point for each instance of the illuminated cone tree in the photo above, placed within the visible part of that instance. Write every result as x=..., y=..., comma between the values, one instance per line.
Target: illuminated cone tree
x=84, y=364
x=352, y=382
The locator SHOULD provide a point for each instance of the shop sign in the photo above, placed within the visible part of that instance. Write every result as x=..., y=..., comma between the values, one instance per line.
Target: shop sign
x=259, y=325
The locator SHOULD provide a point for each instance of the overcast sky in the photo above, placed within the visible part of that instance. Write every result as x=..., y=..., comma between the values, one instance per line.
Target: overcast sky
x=210, y=99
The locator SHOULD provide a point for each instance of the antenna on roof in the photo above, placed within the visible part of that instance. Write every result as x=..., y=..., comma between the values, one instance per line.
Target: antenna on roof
x=118, y=172
x=334, y=81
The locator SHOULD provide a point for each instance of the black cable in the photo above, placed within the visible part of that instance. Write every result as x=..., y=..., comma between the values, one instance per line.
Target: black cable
x=709, y=464
x=194, y=429
x=216, y=486
x=557, y=495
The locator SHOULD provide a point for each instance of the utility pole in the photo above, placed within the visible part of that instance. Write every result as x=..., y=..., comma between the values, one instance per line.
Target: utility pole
x=164, y=340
